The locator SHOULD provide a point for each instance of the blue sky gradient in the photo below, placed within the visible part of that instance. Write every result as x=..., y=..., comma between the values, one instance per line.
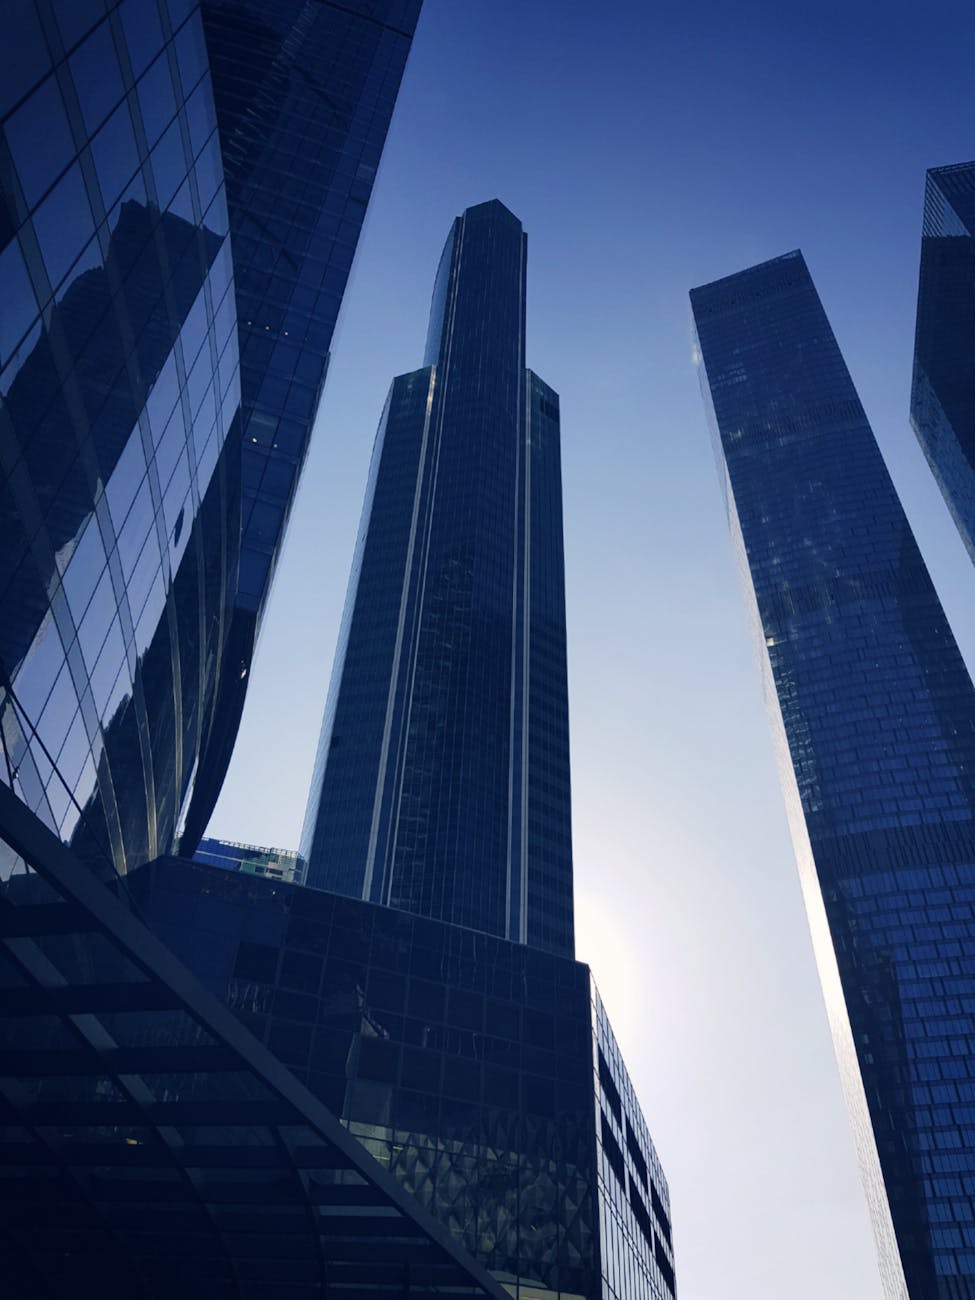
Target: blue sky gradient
x=647, y=149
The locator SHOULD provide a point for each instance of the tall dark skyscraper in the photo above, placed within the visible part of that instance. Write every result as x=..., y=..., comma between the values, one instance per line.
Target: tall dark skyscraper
x=874, y=717
x=442, y=779
x=943, y=391
x=303, y=94
x=182, y=191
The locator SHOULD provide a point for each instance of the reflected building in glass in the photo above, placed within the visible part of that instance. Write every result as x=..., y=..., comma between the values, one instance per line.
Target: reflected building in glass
x=873, y=714
x=162, y=348
x=943, y=390
x=441, y=784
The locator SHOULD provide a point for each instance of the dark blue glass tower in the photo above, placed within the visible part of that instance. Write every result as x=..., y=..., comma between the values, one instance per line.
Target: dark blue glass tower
x=874, y=717
x=442, y=779
x=943, y=391
x=180, y=197
x=304, y=94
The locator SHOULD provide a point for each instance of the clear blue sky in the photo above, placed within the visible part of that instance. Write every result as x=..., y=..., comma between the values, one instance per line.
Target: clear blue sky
x=650, y=147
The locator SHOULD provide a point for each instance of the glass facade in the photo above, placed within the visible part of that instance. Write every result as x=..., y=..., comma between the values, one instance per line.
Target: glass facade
x=151, y=1148
x=481, y=1073
x=873, y=713
x=441, y=784
x=943, y=391
x=252, y=859
x=304, y=94
x=120, y=387
x=181, y=191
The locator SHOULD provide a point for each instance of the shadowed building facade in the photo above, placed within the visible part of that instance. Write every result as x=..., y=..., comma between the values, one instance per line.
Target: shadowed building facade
x=181, y=190
x=943, y=389
x=441, y=784
x=483, y=1074
x=873, y=714
x=152, y=1149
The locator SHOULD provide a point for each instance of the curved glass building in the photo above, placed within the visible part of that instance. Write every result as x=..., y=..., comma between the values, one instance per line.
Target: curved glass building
x=182, y=190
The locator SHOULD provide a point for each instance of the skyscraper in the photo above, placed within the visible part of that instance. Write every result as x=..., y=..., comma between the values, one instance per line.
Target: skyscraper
x=178, y=214
x=943, y=390
x=873, y=714
x=441, y=784
x=303, y=96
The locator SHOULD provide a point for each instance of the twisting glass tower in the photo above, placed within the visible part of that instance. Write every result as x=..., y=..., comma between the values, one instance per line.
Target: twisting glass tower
x=874, y=714
x=442, y=780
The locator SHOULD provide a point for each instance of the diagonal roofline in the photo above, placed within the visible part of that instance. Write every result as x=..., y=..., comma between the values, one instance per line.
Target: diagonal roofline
x=55, y=863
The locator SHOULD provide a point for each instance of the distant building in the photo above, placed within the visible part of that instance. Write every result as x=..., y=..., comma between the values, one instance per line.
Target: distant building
x=873, y=714
x=251, y=859
x=943, y=391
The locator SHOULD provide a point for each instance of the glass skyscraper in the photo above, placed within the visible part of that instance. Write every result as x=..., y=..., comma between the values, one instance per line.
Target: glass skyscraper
x=180, y=196
x=303, y=95
x=873, y=713
x=441, y=784
x=943, y=391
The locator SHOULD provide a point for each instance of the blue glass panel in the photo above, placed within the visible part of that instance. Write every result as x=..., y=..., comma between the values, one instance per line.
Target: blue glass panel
x=143, y=34
x=40, y=140
x=115, y=154
x=169, y=164
x=97, y=77
x=18, y=307
x=157, y=98
x=24, y=56
x=76, y=17
x=64, y=226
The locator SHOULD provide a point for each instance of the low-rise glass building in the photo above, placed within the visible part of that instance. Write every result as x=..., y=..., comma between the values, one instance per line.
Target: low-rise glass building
x=481, y=1072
